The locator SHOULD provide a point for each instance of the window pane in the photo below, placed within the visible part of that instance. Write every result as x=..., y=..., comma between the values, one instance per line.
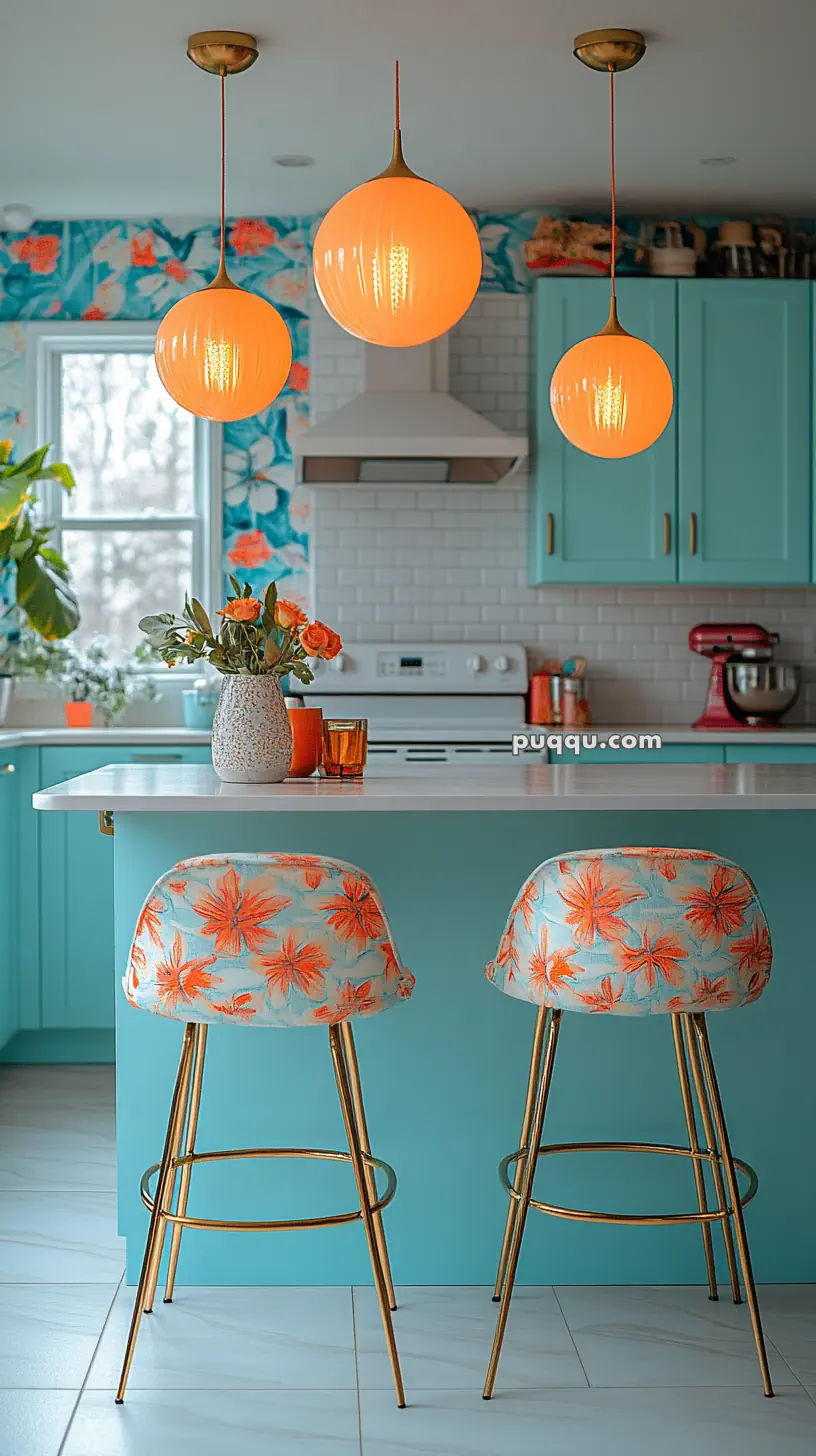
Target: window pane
x=120, y=576
x=129, y=445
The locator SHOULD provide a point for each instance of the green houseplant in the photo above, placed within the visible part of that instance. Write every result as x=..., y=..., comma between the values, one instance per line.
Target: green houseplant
x=42, y=589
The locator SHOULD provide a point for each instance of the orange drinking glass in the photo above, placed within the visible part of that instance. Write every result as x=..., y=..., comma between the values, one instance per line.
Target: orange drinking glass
x=345, y=747
x=307, y=724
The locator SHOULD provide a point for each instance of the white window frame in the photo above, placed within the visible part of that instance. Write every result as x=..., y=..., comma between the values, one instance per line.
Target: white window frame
x=46, y=343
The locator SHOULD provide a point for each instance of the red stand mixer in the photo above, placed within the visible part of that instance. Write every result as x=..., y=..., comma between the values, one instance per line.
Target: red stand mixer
x=746, y=689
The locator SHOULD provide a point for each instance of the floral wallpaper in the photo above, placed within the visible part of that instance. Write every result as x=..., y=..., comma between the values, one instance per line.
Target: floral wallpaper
x=98, y=269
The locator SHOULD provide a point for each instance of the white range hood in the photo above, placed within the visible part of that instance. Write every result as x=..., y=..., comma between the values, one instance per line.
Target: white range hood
x=406, y=427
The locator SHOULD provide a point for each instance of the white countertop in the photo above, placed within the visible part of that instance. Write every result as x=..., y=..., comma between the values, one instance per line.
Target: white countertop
x=180, y=736
x=93, y=737
x=194, y=788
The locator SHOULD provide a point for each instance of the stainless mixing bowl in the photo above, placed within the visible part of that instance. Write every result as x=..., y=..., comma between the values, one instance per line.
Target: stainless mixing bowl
x=762, y=691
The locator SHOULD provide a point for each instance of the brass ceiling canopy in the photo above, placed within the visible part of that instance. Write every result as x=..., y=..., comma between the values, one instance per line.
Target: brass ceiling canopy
x=610, y=50
x=223, y=52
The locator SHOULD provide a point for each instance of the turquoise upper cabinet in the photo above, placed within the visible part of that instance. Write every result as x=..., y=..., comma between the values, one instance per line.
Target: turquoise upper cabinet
x=744, y=431
x=597, y=520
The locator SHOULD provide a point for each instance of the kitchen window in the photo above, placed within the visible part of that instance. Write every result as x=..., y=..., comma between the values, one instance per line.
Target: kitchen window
x=143, y=525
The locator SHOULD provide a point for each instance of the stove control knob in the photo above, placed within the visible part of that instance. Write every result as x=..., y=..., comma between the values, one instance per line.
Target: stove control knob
x=338, y=663
x=502, y=664
x=475, y=664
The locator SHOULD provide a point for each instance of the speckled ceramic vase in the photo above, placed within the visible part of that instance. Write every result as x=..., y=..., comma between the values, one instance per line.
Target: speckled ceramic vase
x=251, y=735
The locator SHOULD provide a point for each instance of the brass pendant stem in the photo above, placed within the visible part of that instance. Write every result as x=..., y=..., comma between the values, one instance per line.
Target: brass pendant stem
x=613, y=324
x=397, y=167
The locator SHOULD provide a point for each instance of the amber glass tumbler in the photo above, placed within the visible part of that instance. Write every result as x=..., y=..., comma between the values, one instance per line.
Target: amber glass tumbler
x=345, y=747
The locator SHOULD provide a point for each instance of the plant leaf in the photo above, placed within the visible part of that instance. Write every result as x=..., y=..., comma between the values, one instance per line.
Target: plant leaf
x=13, y=492
x=44, y=594
x=202, y=620
x=235, y=584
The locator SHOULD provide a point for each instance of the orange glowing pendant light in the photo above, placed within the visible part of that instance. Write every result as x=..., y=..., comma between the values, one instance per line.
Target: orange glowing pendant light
x=612, y=394
x=223, y=353
x=397, y=261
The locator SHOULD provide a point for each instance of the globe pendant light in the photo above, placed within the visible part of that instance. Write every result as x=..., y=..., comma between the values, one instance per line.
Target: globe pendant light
x=612, y=394
x=397, y=261
x=223, y=353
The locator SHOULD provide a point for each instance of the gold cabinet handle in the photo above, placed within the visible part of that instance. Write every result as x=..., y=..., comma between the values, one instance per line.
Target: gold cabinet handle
x=550, y=533
x=106, y=821
x=666, y=533
x=7, y=768
x=693, y=533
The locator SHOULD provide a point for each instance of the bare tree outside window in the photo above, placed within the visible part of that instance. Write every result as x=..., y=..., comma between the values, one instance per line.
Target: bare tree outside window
x=130, y=530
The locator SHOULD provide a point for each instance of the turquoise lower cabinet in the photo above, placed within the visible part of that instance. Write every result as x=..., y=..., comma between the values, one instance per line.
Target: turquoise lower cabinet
x=671, y=753
x=744, y=431
x=8, y=897
x=591, y=520
x=774, y=753
x=77, y=969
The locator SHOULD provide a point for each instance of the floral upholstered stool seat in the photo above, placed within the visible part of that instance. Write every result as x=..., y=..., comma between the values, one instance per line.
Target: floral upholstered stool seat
x=272, y=941
x=636, y=932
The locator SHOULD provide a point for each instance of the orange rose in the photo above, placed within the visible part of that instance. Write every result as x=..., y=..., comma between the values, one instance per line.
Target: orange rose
x=288, y=615
x=243, y=609
x=319, y=641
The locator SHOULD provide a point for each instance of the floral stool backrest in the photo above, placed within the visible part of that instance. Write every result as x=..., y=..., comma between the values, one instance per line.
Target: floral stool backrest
x=266, y=939
x=635, y=931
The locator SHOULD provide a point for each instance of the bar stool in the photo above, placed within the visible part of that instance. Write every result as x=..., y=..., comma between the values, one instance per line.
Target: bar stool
x=634, y=932
x=271, y=940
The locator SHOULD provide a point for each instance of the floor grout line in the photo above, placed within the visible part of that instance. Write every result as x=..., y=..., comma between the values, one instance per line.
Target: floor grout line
x=357, y=1370
x=572, y=1337
x=84, y=1384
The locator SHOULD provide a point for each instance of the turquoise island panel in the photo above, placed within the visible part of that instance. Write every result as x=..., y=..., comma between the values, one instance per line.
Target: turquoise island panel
x=444, y=1074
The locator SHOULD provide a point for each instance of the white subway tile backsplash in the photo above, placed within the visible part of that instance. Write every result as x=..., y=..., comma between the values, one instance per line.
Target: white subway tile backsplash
x=449, y=564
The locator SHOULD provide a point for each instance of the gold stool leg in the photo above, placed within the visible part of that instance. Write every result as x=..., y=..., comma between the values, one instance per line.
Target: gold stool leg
x=199, y=1052
x=532, y=1086
x=694, y=1145
x=347, y=1105
x=699, y=1023
x=716, y=1164
x=167, y=1201
x=350, y=1052
x=172, y=1137
x=526, y=1193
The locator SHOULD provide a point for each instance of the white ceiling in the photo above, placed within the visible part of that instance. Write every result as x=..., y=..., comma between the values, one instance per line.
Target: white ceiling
x=102, y=115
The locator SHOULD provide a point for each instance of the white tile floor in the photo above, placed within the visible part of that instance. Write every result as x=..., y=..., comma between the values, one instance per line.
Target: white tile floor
x=302, y=1372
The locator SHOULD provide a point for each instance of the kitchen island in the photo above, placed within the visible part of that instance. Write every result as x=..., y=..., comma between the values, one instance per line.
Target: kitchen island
x=444, y=1075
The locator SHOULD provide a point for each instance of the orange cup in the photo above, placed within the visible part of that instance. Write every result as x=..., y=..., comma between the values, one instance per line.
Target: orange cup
x=307, y=741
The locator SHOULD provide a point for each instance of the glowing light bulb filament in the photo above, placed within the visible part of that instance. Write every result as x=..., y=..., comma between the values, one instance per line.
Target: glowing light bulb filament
x=610, y=405
x=390, y=282
x=220, y=365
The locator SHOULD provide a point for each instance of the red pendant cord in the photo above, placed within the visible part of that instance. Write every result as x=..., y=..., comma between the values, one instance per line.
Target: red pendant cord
x=612, y=171
x=396, y=97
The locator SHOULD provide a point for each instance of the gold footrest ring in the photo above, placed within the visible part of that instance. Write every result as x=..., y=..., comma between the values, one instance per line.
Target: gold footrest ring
x=281, y=1224
x=590, y=1216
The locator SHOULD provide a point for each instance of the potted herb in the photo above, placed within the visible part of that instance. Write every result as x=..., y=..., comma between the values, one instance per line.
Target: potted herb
x=257, y=643
x=87, y=679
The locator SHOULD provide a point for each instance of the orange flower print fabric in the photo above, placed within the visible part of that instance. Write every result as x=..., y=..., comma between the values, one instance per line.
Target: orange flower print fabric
x=265, y=940
x=632, y=932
